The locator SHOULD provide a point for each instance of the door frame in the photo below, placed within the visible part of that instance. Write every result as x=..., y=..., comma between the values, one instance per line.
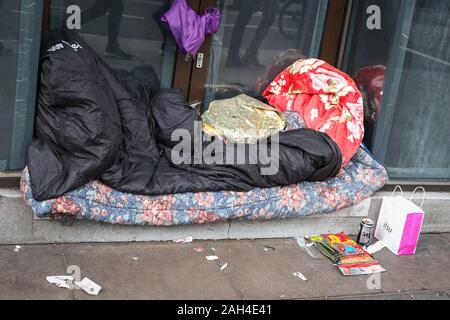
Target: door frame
x=331, y=48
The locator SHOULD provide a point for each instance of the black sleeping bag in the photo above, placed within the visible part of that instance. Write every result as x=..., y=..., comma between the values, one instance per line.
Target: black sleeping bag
x=91, y=124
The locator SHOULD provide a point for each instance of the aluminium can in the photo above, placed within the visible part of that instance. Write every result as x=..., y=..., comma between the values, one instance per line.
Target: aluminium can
x=366, y=232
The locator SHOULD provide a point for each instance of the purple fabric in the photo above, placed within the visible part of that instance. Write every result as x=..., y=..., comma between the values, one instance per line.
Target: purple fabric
x=188, y=28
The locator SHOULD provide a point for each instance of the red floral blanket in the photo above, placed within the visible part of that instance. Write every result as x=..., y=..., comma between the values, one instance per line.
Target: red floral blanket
x=327, y=99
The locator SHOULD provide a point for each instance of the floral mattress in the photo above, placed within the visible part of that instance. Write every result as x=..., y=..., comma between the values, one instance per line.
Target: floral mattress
x=361, y=177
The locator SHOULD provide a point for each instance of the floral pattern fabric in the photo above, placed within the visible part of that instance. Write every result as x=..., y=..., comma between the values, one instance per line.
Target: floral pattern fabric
x=360, y=179
x=327, y=99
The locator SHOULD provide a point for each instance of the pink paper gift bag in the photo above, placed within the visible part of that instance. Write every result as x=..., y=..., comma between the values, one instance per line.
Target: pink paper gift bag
x=400, y=223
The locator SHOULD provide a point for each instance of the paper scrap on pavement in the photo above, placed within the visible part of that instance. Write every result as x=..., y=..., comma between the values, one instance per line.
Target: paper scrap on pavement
x=61, y=281
x=306, y=247
x=89, y=286
x=212, y=258
x=199, y=249
x=300, y=275
x=380, y=245
x=186, y=240
x=224, y=266
x=17, y=248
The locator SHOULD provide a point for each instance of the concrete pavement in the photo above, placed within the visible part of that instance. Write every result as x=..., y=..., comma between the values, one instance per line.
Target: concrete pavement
x=176, y=271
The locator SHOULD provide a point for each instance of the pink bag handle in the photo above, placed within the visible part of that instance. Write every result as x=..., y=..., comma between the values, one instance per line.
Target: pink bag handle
x=423, y=198
x=395, y=190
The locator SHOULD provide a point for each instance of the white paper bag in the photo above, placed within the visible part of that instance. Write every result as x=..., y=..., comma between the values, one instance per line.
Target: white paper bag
x=400, y=222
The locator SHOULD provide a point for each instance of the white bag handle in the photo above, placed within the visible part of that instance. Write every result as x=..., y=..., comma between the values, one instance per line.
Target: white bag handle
x=395, y=190
x=423, y=198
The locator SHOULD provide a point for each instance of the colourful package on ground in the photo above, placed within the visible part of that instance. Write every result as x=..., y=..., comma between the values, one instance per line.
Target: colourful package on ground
x=341, y=249
x=347, y=254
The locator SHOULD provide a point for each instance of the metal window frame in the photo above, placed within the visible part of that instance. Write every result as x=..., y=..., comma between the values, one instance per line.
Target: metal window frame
x=30, y=23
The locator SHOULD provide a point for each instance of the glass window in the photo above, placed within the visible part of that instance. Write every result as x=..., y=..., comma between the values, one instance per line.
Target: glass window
x=257, y=40
x=126, y=33
x=403, y=70
x=20, y=27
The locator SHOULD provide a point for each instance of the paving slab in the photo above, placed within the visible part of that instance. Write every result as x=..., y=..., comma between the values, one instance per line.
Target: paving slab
x=150, y=271
x=427, y=269
x=23, y=273
x=16, y=220
x=261, y=274
x=176, y=271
